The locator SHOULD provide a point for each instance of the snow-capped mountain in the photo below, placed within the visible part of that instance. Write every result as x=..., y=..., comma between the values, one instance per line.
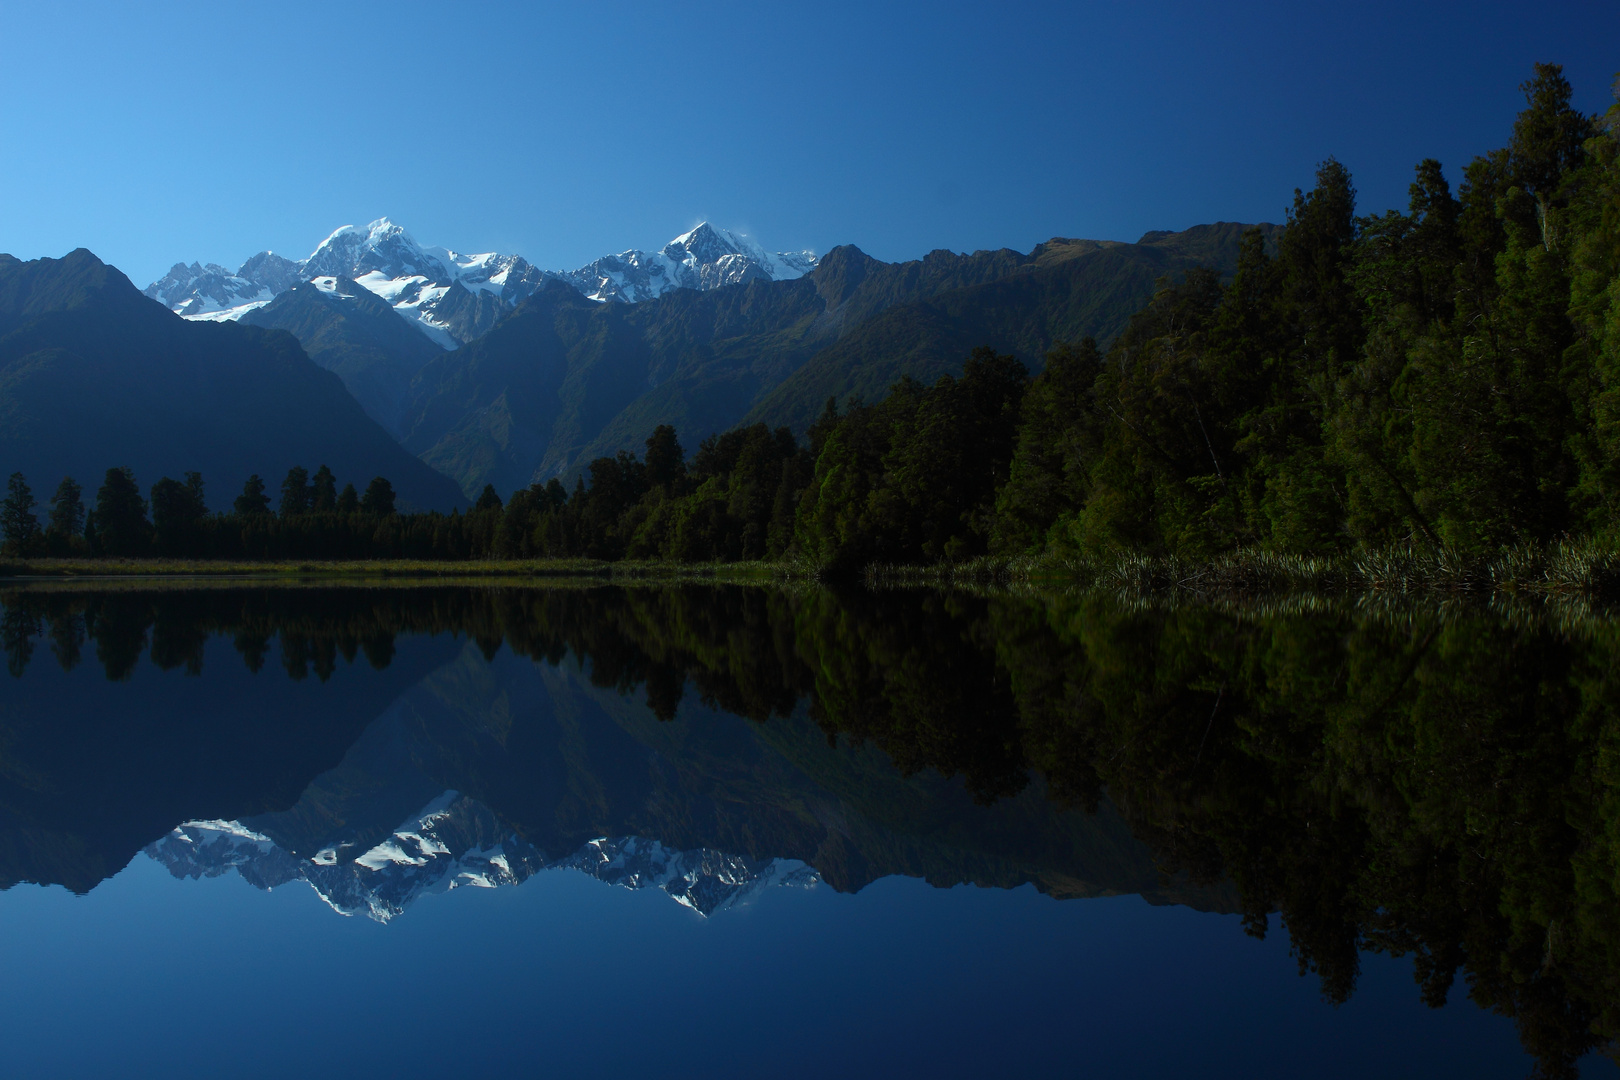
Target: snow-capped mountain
x=455, y=841
x=453, y=297
x=213, y=292
x=705, y=258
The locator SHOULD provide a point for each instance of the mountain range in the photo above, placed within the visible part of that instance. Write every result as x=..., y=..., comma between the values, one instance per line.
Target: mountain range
x=95, y=375
x=484, y=369
x=563, y=380
x=451, y=297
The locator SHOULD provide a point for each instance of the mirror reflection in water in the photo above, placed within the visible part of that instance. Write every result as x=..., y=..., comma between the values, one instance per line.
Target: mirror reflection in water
x=1420, y=806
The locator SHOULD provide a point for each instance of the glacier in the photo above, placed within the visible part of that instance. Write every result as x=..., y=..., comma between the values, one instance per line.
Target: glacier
x=454, y=297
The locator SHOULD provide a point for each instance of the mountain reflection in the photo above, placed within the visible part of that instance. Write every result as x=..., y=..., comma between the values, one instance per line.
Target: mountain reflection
x=454, y=843
x=1443, y=785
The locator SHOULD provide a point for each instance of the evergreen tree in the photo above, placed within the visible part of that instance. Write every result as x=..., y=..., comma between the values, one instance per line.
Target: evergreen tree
x=177, y=511
x=119, y=520
x=488, y=499
x=348, y=502
x=194, y=492
x=1049, y=477
x=323, y=492
x=378, y=500
x=295, y=493
x=18, y=523
x=253, y=502
x=67, y=520
x=666, y=461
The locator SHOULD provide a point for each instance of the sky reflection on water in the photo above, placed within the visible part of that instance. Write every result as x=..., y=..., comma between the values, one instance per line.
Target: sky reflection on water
x=566, y=976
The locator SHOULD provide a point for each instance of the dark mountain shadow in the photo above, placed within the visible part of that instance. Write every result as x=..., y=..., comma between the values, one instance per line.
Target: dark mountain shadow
x=94, y=375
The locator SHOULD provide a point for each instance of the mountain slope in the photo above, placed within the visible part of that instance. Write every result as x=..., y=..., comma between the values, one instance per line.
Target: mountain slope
x=563, y=381
x=1066, y=291
x=93, y=374
x=358, y=337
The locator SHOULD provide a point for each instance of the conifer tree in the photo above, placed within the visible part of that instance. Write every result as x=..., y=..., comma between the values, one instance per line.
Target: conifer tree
x=176, y=511
x=348, y=501
x=67, y=519
x=120, y=522
x=378, y=501
x=295, y=493
x=253, y=502
x=18, y=523
x=323, y=492
x=666, y=461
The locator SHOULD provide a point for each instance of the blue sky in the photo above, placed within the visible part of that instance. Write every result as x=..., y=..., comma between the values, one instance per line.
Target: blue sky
x=156, y=133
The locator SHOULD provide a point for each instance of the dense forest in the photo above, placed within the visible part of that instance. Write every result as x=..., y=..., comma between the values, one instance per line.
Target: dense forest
x=1447, y=377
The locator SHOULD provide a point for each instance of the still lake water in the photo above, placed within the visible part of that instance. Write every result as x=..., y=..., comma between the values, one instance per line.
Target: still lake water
x=405, y=831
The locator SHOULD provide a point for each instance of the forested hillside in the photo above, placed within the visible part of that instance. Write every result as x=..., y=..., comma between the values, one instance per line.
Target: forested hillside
x=564, y=380
x=1065, y=291
x=1446, y=377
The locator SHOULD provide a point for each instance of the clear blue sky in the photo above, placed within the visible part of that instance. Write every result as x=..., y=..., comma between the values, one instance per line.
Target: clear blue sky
x=155, y=133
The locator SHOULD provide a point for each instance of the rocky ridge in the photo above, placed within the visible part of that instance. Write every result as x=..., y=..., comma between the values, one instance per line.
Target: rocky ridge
x=454, y=297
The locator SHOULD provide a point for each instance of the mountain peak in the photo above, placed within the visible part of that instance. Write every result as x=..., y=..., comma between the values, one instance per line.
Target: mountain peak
x=421, y=282
x=705, y=242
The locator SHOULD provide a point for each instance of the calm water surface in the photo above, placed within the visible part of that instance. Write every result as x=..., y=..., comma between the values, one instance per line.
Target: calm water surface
x=582, y=831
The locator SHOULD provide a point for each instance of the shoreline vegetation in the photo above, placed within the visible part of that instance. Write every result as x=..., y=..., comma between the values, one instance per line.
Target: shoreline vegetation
x=1585, y=569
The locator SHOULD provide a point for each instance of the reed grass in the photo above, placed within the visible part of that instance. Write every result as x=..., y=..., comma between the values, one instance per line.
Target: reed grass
x=381, y=569
x=1585, y=569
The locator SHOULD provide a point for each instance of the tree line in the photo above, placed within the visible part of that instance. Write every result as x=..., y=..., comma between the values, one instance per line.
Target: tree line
x=174, y=521
x=1447, y=377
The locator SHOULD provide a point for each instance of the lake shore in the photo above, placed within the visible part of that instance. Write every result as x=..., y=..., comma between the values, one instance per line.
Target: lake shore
x=1586, y=569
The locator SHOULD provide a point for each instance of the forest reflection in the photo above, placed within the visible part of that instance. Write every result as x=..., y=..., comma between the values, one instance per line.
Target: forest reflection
x=1439, y=785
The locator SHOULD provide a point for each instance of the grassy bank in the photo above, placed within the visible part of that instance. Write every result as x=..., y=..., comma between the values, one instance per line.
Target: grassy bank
x=1584, y=569
x=308, y=569
x=1574, y=568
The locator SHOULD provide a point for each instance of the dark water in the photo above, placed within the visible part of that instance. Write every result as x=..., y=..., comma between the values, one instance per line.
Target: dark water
x=564, y=831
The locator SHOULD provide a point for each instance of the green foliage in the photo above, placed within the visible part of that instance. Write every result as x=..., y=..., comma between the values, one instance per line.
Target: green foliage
x=1441, y=377
x=488, y=500
x=914, y=478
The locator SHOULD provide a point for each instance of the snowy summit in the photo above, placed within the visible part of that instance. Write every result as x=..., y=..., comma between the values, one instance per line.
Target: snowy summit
x=453, y=297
